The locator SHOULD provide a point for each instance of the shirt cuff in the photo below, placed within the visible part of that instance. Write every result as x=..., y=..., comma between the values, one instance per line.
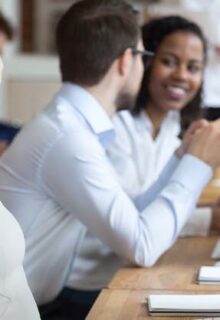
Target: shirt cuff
x=192, y=173
x=198, y=224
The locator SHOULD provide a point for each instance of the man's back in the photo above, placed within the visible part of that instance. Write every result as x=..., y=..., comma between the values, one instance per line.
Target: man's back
x=48, y=227
x=39, y=184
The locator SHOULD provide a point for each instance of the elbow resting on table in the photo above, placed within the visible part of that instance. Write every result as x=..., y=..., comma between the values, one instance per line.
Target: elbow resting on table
x=145, y=257
x=145, y=262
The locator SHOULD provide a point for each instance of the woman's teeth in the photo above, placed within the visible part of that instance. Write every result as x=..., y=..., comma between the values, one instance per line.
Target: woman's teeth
x=176, y=90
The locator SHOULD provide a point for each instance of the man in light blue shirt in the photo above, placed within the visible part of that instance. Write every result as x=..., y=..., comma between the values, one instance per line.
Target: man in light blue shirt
x=79, y=225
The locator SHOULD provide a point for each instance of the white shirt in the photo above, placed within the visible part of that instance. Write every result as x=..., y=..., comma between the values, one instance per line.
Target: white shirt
x=16, y=300
x=139, y=159
x=79, y=224
x=136, y=155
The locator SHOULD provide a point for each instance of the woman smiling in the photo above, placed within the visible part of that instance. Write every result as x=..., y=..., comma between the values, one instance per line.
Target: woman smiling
x=170, y=98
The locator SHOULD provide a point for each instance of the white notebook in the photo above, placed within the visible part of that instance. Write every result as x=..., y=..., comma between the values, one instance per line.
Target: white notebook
x=184, y=305
x=215, y=318
x=209, y=275
x=216, y=251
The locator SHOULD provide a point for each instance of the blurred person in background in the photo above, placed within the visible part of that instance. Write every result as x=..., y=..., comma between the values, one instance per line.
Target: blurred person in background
x=6, y=32
x=7, y=130
x=16, y=300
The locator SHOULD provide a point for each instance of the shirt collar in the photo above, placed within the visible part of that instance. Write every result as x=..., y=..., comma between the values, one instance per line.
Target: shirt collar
x=91, y=111
x=143, y=122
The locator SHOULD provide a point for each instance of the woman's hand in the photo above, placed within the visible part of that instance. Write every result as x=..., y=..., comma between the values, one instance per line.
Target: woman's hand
x=187, y=138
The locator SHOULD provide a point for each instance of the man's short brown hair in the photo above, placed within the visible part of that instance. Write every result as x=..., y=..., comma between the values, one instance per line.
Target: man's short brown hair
x=91, y=35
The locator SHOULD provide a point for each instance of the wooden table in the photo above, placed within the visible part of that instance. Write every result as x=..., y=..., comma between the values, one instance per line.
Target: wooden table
x=175, y=270
x=125, y=305
x=210, y=194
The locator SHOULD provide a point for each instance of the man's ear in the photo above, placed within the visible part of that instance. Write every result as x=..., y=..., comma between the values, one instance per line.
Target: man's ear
x=125, y=62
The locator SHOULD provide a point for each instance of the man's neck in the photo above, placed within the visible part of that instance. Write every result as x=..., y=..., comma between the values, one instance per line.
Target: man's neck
x=106, y=91
x=104, y=98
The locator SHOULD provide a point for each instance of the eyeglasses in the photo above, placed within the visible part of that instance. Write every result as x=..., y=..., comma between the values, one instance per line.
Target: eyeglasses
x=146, y=55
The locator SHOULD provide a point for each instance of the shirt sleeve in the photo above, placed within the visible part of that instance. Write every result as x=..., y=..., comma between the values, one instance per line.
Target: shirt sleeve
x=198, y=224
x=78, y=176
x=144, y=199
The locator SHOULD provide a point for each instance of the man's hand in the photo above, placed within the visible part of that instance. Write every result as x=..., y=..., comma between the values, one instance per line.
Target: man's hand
x=193, y=128
x=205, y=144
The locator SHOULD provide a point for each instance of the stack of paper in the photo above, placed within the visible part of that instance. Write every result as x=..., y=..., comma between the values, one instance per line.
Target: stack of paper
x=209, y=275
x=184, y=305
x=215, y=318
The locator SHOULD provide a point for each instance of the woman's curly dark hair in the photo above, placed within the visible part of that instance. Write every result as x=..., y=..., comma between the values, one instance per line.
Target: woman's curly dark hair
x=154, y=32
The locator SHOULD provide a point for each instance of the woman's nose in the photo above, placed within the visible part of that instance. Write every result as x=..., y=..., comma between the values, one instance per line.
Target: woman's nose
x=181, y=73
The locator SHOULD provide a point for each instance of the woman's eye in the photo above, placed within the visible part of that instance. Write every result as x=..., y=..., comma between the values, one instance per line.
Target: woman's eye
x=194, y=68
x=168, y=62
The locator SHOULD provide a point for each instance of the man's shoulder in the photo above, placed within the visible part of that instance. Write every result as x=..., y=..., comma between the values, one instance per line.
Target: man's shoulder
x=58, y=118
x=56, y=127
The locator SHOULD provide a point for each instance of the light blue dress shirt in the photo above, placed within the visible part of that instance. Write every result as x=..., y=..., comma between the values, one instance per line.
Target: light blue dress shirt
x=79, y=224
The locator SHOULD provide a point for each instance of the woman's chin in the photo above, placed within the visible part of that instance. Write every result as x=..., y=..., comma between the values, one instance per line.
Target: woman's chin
x=174, y=107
